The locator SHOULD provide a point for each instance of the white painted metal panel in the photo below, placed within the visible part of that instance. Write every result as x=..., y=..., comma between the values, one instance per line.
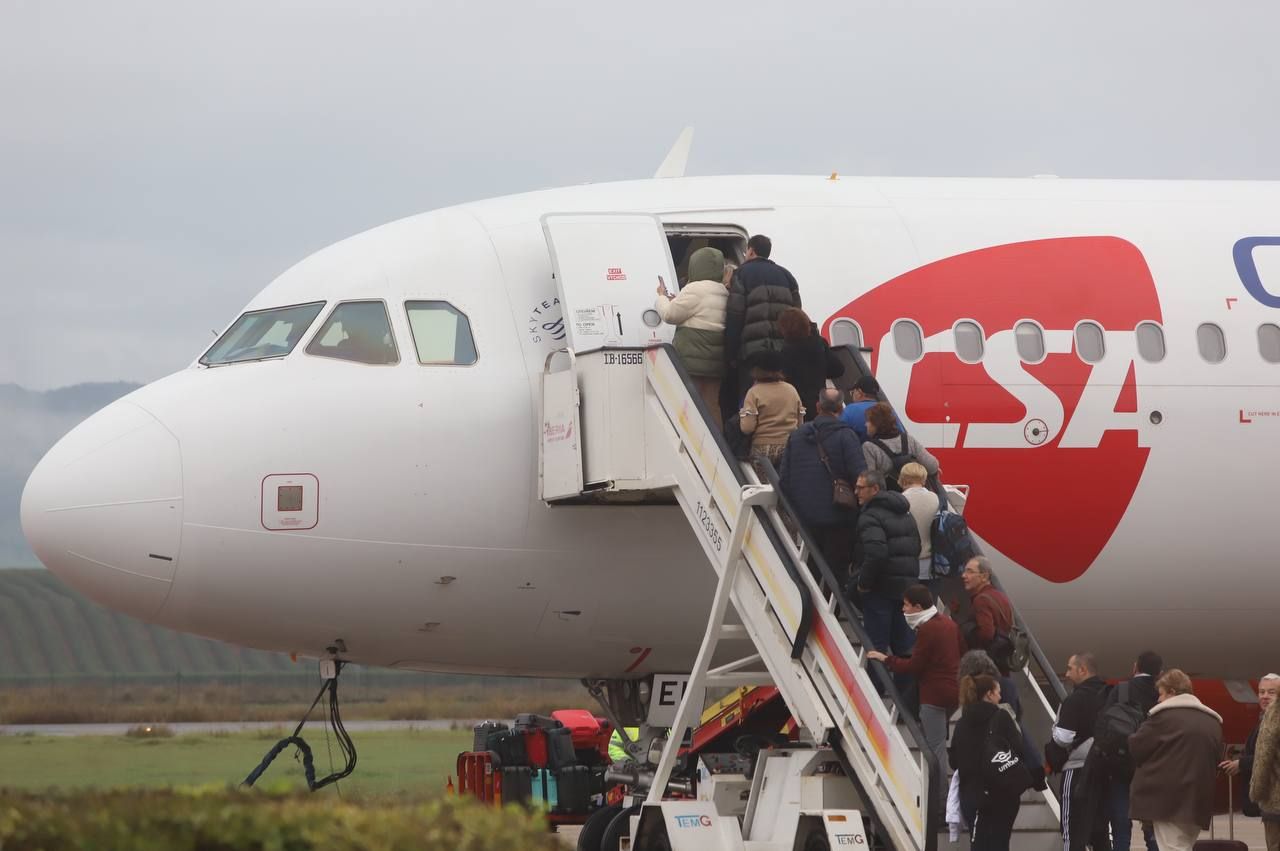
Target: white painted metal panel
x=561, y=436
x=607, y=268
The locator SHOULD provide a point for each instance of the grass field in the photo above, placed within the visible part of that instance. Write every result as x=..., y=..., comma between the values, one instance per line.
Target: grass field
x=391, y=764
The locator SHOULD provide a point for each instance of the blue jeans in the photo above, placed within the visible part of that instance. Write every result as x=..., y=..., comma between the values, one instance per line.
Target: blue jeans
x=885, y=624
x=1118, y=815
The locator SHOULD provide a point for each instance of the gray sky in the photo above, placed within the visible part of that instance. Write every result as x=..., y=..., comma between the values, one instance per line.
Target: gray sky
x=160, y=162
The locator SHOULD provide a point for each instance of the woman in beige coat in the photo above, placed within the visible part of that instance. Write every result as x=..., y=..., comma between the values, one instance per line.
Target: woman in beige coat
x=1264, y=788
x=698, y=311
x=771, y=410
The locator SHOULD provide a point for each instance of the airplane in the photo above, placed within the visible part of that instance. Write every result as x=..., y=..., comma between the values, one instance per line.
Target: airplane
x=353, y=464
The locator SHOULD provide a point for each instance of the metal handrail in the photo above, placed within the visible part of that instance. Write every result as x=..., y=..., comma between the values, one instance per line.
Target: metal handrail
x=805, y=626
x=880, y=672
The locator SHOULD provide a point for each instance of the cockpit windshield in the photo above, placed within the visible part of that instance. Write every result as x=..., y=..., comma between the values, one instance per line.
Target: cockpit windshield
x=262, y=334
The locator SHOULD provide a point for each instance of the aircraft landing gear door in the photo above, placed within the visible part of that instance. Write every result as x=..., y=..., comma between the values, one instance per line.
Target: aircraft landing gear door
x=607, y=268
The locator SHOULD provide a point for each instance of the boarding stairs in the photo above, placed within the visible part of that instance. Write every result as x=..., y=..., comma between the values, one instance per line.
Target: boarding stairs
x=625, y=425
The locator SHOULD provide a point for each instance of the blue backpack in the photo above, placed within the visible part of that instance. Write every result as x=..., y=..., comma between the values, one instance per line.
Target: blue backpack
x=951, y=542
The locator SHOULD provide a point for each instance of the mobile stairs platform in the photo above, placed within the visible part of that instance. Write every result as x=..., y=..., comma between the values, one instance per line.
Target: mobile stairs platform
x=622, y=424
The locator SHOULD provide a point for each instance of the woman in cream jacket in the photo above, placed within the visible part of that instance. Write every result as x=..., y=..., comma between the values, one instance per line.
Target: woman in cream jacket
x=698, y=312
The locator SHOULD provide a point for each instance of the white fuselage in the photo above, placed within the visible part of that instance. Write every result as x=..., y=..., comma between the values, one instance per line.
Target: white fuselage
x=430, y=549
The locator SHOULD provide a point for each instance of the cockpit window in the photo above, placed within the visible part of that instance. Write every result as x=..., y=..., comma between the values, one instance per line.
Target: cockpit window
x=263, y=334
x=441, y=332
x=357, y=331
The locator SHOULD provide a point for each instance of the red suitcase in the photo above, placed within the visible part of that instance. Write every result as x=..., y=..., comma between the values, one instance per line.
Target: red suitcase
x=535, y=746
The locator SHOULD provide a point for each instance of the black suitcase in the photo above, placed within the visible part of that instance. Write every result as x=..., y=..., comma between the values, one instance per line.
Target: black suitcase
x=560, y=752
x=517, y=784
x=508, y=745
x=527, y=720
x=574, y=787
x=482, y=732
x=1213, y=843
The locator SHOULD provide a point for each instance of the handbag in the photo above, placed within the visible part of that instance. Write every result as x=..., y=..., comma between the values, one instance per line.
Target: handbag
x=841, y=491
x=1004, y=773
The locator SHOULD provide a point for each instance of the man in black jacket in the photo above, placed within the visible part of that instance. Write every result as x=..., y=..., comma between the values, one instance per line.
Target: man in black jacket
x=1083, y=784
x=1139, y=691
x=760, y=291
x=808, y=484
x=887, y=562
x=1268, y=691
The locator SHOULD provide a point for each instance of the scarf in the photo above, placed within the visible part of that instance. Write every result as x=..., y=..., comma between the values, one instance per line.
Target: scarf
x=914, y=619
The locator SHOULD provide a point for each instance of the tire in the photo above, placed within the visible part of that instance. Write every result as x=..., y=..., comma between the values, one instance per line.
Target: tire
x=618, y=828
x=593, y=828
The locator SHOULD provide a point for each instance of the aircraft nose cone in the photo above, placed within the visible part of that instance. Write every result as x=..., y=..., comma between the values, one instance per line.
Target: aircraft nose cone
x=103, y=509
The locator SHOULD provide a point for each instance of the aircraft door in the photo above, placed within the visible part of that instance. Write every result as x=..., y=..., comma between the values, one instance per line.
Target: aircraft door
x=607, y=268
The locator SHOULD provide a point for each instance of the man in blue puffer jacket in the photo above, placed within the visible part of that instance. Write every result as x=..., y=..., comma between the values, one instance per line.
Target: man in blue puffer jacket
x=808, y=484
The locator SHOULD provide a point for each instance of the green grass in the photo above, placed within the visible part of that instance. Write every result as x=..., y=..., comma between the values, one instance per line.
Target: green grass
x=391, y=764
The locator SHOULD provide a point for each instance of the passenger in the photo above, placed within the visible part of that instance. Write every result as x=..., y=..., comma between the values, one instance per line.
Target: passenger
x=809, y=485
x=1268, y=690
x=888, y=449
x=865, y=394
x=924, y=505
x=1176, y=752
x=1264, y=787
x=699, y=312
x=1083, y=784
x=807, y=360
x=1140, y=691
x=771, y=410
x=759, y=293
x=935, y=663
x=886, y=560
x=990, y=818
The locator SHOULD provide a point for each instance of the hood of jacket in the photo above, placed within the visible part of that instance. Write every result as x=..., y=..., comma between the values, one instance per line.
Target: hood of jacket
x=890, y=501
x=1184, y=701
x=706, y=264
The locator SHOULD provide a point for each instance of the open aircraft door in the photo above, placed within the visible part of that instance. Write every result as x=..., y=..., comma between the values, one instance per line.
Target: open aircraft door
x=607, y=268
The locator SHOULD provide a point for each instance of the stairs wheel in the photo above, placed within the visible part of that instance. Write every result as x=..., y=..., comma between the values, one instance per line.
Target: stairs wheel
x=619, y=827
x=592, y=834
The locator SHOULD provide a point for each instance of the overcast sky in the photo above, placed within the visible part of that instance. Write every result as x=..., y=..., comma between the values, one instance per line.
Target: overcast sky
x=161, y=162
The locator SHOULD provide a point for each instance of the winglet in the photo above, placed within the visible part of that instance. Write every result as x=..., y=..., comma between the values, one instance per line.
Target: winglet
x=678, y=156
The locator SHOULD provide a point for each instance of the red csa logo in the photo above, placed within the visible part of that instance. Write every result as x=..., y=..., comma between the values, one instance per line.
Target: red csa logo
x=1052, y=447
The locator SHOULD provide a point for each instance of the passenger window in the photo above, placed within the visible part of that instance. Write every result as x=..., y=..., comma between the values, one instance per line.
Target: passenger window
x=907, y=340
x=845, y=332
x=356, y=331
x=263, y=334
x=969, y=341
x=1150, y=342
x=1091, y=345
x=1269, y=342
x=1030, y=340
x=441, y=332
x=1213, y=345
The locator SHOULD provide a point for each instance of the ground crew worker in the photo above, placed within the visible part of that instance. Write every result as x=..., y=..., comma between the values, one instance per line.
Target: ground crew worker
x=618, y=748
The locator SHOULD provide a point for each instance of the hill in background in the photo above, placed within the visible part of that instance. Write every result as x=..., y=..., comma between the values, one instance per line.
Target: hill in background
x=32, y=422
x=48, y=631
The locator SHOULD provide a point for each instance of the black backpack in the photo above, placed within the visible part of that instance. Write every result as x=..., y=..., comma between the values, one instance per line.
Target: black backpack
x=1116, y=723
x=1005, y=775
x=952, y=545
x=897, y=460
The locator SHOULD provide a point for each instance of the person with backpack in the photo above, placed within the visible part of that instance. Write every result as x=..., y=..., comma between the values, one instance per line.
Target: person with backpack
x=1068, y=751
x=1123, y=711
x=817, y=455
x=924, y=509
x=888, y=449
x=991, y=773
